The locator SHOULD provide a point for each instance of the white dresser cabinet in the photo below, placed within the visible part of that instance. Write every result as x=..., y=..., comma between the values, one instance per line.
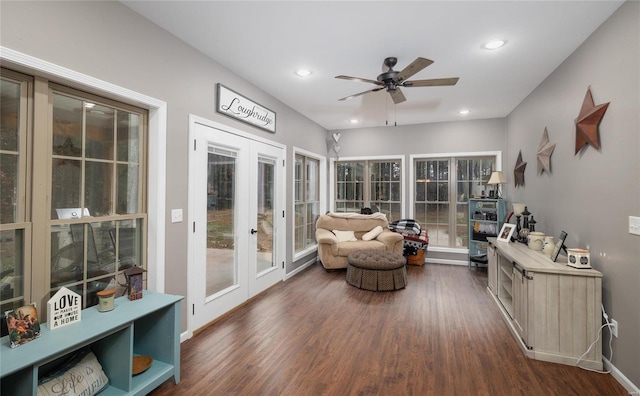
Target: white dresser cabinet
x=553, y=310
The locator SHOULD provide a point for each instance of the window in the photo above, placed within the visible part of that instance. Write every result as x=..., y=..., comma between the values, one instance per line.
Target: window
x=442, y=187
x=96, y=208
x=15, y=229
x=306, y=200
x=382, y=190
x=82, y=198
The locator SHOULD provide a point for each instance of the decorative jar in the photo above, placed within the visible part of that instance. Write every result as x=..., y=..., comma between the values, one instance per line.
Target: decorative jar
x=536, y=240
x=106, y=298
x=548, y=246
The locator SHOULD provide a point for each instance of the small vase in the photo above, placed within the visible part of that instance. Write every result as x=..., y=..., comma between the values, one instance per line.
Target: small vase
x=548, y=247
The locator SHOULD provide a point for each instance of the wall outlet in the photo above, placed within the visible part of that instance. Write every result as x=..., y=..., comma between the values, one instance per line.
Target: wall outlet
x=614, y=328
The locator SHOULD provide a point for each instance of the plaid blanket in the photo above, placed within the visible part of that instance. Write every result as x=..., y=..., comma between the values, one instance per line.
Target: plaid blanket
x=408, y=226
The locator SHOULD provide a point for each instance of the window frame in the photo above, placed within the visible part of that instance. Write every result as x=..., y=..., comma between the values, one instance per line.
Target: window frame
x=367, y=179
x=21, y=221
x=453, y=202
x=322, y=194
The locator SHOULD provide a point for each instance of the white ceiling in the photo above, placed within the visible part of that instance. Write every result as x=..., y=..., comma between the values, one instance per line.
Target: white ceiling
x=265, y=41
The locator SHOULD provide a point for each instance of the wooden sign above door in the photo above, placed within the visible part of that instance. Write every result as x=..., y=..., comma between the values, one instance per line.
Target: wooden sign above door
x=234, y=105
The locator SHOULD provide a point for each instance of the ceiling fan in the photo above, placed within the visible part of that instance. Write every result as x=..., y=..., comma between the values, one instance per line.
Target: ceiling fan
x=392, y=80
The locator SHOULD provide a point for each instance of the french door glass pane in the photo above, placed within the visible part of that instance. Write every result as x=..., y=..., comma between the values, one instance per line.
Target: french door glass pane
x=266, y=181
x=221, y=184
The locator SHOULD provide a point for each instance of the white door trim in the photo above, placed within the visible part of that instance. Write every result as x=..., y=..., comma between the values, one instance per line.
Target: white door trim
x=279, y=224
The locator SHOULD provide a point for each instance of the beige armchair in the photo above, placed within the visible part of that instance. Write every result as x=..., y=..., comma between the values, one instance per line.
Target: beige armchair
x=333, y=251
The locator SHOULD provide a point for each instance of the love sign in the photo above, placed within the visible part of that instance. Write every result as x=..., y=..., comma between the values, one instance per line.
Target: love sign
x=64, y=308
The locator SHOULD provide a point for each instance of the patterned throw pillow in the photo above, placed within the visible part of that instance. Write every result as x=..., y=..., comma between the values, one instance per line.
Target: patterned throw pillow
x=83, y=378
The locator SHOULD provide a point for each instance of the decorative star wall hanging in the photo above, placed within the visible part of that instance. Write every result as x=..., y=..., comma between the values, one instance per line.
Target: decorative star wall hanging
x=518, y=171
x=588, y=121
x=545, y=149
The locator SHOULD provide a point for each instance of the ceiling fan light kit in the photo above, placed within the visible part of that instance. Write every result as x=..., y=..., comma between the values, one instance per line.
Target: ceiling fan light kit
x=393, y=80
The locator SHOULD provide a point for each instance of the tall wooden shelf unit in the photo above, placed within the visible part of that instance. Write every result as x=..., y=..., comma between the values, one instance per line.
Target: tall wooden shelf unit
x=486, y=217
x=149, y=326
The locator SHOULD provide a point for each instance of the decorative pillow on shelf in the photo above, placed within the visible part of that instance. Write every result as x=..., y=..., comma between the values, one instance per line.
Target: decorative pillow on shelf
x=81, y=375
x=373, y=234
x=345, y=236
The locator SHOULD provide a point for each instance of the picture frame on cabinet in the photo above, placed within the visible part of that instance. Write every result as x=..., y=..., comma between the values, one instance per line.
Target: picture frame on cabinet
x=506, y=232
x=559, y=246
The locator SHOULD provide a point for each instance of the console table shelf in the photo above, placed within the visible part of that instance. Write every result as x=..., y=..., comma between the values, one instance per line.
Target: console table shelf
x=149, y=326
x=553, y=310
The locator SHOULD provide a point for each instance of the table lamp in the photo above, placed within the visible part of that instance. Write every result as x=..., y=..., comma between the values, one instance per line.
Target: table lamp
x=497, y=178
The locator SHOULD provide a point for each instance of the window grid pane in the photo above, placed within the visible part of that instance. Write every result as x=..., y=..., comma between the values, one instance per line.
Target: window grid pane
x=307, y=201
x=436, y=196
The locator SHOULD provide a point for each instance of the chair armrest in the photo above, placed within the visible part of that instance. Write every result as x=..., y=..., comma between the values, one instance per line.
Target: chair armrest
x=389, y=237
x=326, y=236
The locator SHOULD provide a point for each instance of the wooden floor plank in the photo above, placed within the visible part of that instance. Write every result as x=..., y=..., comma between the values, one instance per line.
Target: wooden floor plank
x=317, y=335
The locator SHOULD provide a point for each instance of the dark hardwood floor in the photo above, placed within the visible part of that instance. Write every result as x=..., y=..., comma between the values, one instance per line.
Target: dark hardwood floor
x=316, y=335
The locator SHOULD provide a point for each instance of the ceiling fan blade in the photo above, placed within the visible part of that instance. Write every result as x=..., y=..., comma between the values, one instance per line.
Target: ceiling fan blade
x=413, y=68
x=361, y=93
x=434, y=82
x=359, y=79
x=397, y=95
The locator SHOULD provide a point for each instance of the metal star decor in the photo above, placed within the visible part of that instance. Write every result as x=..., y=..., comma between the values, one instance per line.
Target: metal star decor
x=588, y=121
x=518, y=171
x=545, y=149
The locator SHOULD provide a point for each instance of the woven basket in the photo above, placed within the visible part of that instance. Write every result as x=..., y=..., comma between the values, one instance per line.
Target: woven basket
x=416, y=259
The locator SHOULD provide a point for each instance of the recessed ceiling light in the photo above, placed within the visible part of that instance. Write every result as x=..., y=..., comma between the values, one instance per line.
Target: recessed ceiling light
x=353, y=121
x=494, y=44
x=464, y=112
x=303, y=73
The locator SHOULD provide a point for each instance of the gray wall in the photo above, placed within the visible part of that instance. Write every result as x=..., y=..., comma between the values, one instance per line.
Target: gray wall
x=448, y=137
x=591, y=195
x=109, y=41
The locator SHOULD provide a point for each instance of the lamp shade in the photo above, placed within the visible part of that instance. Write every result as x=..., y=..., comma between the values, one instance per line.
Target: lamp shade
x=518, y=208
x=497, y=178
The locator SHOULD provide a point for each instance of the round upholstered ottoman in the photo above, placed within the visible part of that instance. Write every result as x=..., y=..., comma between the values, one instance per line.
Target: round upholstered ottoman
x=377, y=270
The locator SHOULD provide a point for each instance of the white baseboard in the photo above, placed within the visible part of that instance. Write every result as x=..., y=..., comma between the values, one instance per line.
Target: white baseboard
x=185, y=336
x=621, y=378
x=296, y=271
x=446, y=261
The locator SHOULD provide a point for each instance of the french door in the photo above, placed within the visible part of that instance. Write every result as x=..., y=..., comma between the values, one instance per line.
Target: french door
x=236, y=210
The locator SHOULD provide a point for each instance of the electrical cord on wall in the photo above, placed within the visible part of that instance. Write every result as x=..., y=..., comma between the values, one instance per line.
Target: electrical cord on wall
x=608, y=324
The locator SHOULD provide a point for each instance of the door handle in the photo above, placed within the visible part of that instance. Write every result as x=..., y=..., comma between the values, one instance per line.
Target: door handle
x=254, y=231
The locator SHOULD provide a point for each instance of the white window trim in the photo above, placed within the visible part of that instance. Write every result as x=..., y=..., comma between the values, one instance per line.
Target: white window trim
x=412, y=157
x=157, y=134
x=322, y=165
x=403, y=180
